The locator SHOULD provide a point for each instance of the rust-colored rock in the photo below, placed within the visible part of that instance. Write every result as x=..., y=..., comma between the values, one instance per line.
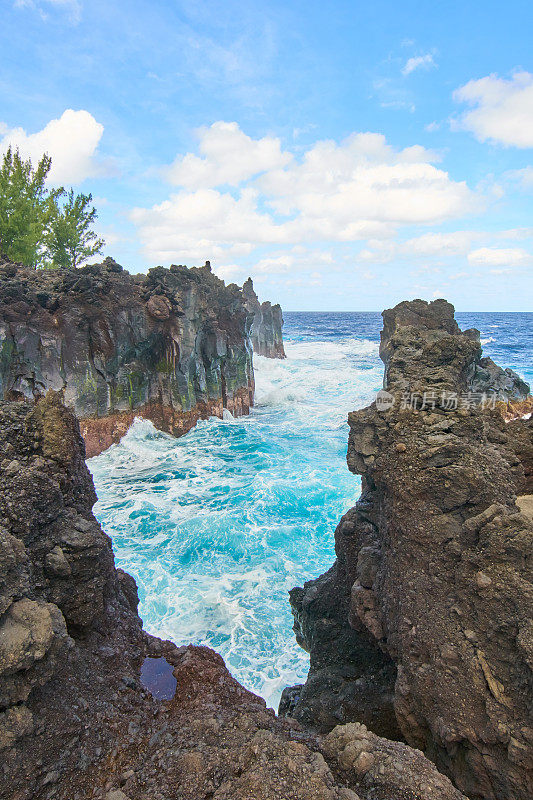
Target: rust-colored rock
x=172, y=346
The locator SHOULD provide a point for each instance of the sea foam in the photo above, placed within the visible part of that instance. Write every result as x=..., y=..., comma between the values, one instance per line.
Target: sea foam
x=218, y=525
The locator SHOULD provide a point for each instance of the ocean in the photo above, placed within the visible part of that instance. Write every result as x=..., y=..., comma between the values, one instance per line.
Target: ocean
x=218, y=525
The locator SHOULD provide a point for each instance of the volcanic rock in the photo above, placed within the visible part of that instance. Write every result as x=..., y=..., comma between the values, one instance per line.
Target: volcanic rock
x=172, y=346
x=266, y=331
x=78, y=721
x=430, y=601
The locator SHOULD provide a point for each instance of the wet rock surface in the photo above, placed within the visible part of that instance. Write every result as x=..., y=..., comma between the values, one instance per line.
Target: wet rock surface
x=77, y=720
x=172, y=346
x=433, y=568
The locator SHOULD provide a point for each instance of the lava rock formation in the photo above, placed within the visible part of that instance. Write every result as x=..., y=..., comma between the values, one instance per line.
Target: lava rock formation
x=423, y=627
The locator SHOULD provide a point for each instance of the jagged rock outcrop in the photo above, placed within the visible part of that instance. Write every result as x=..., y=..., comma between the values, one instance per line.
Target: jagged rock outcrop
x=433, y=565
x=406, y=363
x=79, y=717
x=266, y=331
x=171, y=346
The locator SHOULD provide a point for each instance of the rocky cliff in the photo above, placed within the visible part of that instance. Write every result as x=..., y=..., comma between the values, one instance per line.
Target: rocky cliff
x=428, y=607
x=172, y=346
x=266, y=331
x=93, y=707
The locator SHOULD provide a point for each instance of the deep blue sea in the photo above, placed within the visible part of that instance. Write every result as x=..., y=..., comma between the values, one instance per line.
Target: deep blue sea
x=217, y=526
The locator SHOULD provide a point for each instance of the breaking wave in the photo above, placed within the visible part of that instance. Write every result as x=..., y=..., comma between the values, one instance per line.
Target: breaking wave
x=218, y=525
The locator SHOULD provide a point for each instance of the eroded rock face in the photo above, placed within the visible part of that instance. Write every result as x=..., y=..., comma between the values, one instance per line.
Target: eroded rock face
x=385, y=769
x=419, y=350
x=266, y=331
x=434, y=565
x=171, y=346
x=77, y=720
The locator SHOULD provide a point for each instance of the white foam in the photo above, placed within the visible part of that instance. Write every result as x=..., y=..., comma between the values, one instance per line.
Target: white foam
x=218, y=525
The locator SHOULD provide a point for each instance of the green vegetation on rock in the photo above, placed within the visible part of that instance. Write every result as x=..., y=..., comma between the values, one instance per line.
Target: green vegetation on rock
x=43, y=227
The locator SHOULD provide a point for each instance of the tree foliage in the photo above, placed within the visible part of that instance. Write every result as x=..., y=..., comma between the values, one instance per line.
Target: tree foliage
x=27, y=208
x=41, y=226
x=70, y=240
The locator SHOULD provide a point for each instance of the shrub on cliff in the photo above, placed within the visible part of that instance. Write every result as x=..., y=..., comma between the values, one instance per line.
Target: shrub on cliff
x=35, y=227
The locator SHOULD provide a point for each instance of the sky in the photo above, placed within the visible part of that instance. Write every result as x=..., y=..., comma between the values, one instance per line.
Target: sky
x=347, y=155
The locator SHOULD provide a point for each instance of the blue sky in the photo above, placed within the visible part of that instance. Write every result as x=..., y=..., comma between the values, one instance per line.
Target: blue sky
x=347, y=155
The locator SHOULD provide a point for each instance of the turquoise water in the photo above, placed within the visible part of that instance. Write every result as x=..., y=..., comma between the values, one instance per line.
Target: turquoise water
x=217, y=526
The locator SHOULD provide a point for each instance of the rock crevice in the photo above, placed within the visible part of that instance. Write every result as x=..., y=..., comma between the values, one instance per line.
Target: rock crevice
x=80, y=716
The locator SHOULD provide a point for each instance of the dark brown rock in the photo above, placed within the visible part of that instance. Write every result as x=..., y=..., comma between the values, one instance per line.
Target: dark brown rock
x=171, y=346
x=76, y=720
x=433, y=565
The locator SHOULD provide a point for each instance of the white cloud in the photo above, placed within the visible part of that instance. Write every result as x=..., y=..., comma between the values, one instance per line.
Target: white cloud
x=73, y=7
x=503, y=109
x=338, y=187
x=111, y=237
x=496, y=257
x=71, y=141
x=427, y=269
x=418, y=62
x=516, y=233
x=204, y=224
x=275, y=264
x=358, y=189
x=229, y=272
x=228, y=156
x=441, y=244
x=428, y=244
x=523, y=176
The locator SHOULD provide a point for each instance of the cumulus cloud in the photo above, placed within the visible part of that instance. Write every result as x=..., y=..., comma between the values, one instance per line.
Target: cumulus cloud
x=516, y=233
x=496, y=257
x=227, y=156
x=502, y=109
x=71, y=141
x=275, y=264
x=339, y=192
x=418, y=62
x=191, y=224
x=430, y=244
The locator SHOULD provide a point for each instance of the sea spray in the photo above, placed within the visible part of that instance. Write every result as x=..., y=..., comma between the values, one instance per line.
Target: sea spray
x=218, y=525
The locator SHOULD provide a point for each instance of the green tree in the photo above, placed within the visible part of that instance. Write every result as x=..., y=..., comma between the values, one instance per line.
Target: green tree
x=27, y=208
x=70, y=240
